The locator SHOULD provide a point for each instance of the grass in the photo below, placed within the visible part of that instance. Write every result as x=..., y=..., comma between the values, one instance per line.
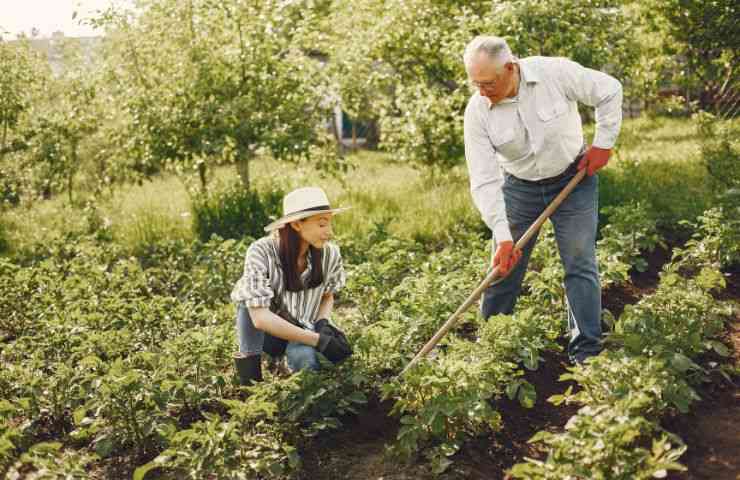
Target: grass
x=407, y=201
x=657, y=161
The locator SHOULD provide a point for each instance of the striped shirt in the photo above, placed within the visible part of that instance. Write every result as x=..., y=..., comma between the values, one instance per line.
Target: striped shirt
x=263, y=278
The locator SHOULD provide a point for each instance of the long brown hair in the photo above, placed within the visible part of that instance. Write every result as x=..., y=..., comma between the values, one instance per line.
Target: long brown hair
x=290, y=242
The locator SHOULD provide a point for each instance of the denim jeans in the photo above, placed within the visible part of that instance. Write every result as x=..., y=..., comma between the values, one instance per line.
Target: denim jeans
x=300, y=356
x=575, y=223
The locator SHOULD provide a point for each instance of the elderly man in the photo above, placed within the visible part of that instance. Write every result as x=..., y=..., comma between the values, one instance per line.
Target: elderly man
x=523, y=143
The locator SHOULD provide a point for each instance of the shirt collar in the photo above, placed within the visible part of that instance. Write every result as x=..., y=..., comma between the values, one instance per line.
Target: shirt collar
x=529, y=74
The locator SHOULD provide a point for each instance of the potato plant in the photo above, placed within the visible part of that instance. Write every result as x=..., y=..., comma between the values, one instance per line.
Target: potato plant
x=625, y=391
x=604, y=443
x=127, y=355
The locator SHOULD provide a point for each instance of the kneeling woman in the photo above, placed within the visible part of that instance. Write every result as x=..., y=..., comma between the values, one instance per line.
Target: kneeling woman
x=285, y=297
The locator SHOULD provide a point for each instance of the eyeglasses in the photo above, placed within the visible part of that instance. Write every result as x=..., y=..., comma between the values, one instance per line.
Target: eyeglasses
x=484, y=85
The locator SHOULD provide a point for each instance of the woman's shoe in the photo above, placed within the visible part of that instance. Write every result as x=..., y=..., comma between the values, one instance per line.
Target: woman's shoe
x=248, y=368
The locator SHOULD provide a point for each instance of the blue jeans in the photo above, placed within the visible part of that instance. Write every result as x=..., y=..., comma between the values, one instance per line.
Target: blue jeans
x=575, y=223
x=251, y=340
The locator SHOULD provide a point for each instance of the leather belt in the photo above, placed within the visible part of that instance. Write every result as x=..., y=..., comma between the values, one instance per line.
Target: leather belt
x=569, y=171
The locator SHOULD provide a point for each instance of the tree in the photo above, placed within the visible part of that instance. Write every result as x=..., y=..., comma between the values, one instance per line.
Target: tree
x=61, y=119
x=206, y=82
x=23, y=73
x=706, y=38
x=400, y=61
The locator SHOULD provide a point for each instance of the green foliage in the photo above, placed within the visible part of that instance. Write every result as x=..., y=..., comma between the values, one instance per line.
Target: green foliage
x=205, y=84
x=11, y=435
x=630, y=233
x=671, y=320
x=71, y=117
x=128, y=410
x=9, y=189
x=234, y=212
x=4, y=242
x=720, y=154
x=641, y=385
x=22, y=74
x=520, y=338
x=596, y=33
x=604, y=442
x=625, y=391
x=227, y=449
x=49, y=460
x=544, y=278
x=257, y=438
x=714, y=245
x=446, y=400
x=653, y=182
x=190, y=367
x=704, y=38
x=401, y=62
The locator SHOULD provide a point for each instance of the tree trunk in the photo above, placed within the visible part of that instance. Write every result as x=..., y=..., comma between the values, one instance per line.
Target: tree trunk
x=242, y=167
x=202, y=171
x=71, y=170
x=373, y=135
x=5, y=137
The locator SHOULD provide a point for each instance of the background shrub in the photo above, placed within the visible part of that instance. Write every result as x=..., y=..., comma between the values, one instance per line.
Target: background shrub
x=233, y=212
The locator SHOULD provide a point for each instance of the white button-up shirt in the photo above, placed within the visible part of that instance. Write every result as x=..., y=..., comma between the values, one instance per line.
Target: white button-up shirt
x=538, y=133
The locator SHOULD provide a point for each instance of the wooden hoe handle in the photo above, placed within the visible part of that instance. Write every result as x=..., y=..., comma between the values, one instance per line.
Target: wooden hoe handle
x=495, y=272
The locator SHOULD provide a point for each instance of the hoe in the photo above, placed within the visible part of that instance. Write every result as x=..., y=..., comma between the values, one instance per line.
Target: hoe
x=489, y=280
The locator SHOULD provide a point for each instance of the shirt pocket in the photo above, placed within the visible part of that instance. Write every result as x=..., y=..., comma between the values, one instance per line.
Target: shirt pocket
x=547, y=111
x=550, y=103
x=500, y=138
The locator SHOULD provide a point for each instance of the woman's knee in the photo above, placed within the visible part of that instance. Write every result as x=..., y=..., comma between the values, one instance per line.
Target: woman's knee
x=302, y=357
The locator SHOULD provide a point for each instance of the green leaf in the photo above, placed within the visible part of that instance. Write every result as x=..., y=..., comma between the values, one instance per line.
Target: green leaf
x=438, y=425
x=408, y=420
x=531, y=360
x=720, y=348
x=141, y=472
x=104, y=446
x=527, y=395
x=539, y=436
x=682, y=363
x=512, y=388
x=79, y=415
x=358, y=397
x=440, y=465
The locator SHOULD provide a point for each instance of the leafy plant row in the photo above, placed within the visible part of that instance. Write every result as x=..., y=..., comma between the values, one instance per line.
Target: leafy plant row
x=649, y=371
x=111, y=355
x=452, y=397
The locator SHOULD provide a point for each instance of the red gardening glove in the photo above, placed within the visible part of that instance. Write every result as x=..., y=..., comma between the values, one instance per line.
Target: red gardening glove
x=506, y=257
x=594, y=159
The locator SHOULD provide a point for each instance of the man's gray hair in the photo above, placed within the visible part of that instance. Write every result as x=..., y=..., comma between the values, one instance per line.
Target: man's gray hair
x=495, y=48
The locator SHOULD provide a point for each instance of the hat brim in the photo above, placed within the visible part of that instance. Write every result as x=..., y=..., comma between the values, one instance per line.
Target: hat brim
x=280, y=222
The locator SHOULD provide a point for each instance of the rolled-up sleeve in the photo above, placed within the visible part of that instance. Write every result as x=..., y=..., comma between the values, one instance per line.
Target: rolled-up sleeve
x=599, y=90
x=254, y=288
x=486, y=179
x=336, y=276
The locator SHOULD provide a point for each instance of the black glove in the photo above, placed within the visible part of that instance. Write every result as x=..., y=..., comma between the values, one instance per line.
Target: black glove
x=333, y=343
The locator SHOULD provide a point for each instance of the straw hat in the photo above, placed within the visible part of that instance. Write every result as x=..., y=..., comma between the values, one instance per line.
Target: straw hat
x=302, y=203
